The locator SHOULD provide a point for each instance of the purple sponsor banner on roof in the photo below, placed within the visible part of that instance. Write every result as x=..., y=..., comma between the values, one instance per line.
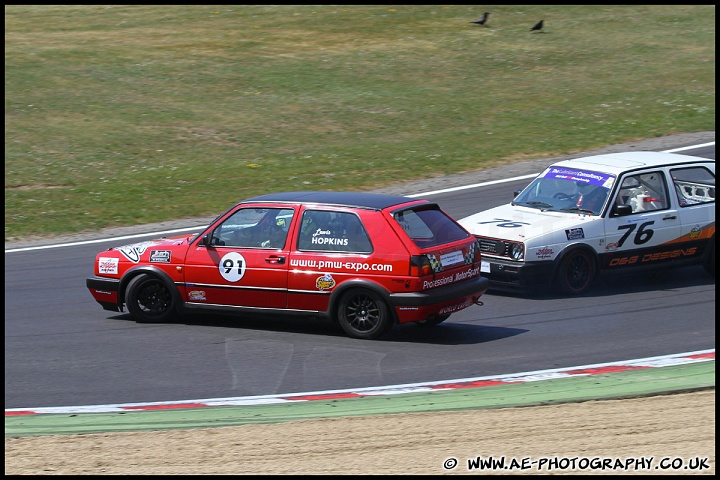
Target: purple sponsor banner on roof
x=585, y=176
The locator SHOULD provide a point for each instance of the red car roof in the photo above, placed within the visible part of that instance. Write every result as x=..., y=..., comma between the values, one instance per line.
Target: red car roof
x=352, y=199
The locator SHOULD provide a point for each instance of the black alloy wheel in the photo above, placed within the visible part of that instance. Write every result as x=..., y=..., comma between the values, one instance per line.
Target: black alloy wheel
x=577, y=272
x=363, y=314
x=149, y=299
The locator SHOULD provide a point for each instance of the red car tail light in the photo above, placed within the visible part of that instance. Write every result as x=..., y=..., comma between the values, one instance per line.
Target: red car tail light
x=420, y=266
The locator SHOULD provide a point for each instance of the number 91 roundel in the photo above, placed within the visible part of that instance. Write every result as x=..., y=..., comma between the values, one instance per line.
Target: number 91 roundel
x=232, y=267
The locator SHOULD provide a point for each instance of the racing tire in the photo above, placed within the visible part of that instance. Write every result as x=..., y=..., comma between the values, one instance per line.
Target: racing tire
x=431, y=322
x=576, y=273
x=149, y=300
x=363, y=314
x=709, y=263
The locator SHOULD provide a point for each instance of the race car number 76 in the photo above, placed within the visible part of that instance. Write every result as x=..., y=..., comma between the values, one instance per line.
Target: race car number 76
x=643, y=234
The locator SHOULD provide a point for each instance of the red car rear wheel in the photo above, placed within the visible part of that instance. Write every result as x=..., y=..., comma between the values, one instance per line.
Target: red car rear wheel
x=363, y=314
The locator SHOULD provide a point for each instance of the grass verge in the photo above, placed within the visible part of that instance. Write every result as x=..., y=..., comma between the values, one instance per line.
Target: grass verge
x=125, y=115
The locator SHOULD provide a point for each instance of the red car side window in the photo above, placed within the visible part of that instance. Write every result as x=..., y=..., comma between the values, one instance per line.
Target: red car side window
x=333, y=232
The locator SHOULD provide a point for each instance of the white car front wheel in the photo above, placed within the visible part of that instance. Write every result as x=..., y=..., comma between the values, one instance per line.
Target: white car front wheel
x=576, y=272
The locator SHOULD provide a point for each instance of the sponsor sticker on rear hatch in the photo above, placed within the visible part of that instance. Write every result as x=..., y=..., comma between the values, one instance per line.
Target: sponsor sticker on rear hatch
x=452, y=278
x=452, y=258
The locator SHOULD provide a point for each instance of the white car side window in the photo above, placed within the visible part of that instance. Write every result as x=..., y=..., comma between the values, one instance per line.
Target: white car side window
x=693, y=185
x=643, y=192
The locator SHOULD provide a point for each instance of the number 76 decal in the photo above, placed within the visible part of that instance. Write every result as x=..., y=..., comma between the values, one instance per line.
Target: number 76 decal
x=504, y=223
x=643, y=234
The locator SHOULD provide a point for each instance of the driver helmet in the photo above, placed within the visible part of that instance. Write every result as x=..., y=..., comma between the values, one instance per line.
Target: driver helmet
x=594, y=199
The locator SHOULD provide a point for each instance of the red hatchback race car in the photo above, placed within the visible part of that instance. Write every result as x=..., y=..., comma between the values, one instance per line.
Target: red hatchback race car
x=366, y=261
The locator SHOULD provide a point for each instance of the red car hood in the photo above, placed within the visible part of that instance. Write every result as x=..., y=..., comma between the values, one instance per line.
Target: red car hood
x=161, y=247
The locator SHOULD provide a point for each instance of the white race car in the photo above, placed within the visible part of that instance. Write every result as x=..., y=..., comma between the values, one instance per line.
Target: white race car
x=599, y=214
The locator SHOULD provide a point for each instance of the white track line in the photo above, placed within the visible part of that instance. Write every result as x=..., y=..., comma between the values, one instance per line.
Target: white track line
x=188, y=229
x=426, y=387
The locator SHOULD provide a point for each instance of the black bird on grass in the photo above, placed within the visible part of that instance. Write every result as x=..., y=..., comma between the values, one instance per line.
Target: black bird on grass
x=538, y=26
x=482, y=20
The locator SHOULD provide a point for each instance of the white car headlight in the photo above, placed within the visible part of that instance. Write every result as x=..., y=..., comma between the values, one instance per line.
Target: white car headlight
x=517, y=252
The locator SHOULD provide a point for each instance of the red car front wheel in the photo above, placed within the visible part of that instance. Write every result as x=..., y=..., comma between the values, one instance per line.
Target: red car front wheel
x=149, y=299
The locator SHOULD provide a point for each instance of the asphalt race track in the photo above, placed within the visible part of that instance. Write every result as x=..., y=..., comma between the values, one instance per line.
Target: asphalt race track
x=62, y=349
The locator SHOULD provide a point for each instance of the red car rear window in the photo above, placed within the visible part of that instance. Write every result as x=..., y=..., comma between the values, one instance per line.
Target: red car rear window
x=428, y=226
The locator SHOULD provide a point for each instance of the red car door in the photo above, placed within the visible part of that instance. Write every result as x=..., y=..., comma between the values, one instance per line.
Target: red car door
x=246, y=263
